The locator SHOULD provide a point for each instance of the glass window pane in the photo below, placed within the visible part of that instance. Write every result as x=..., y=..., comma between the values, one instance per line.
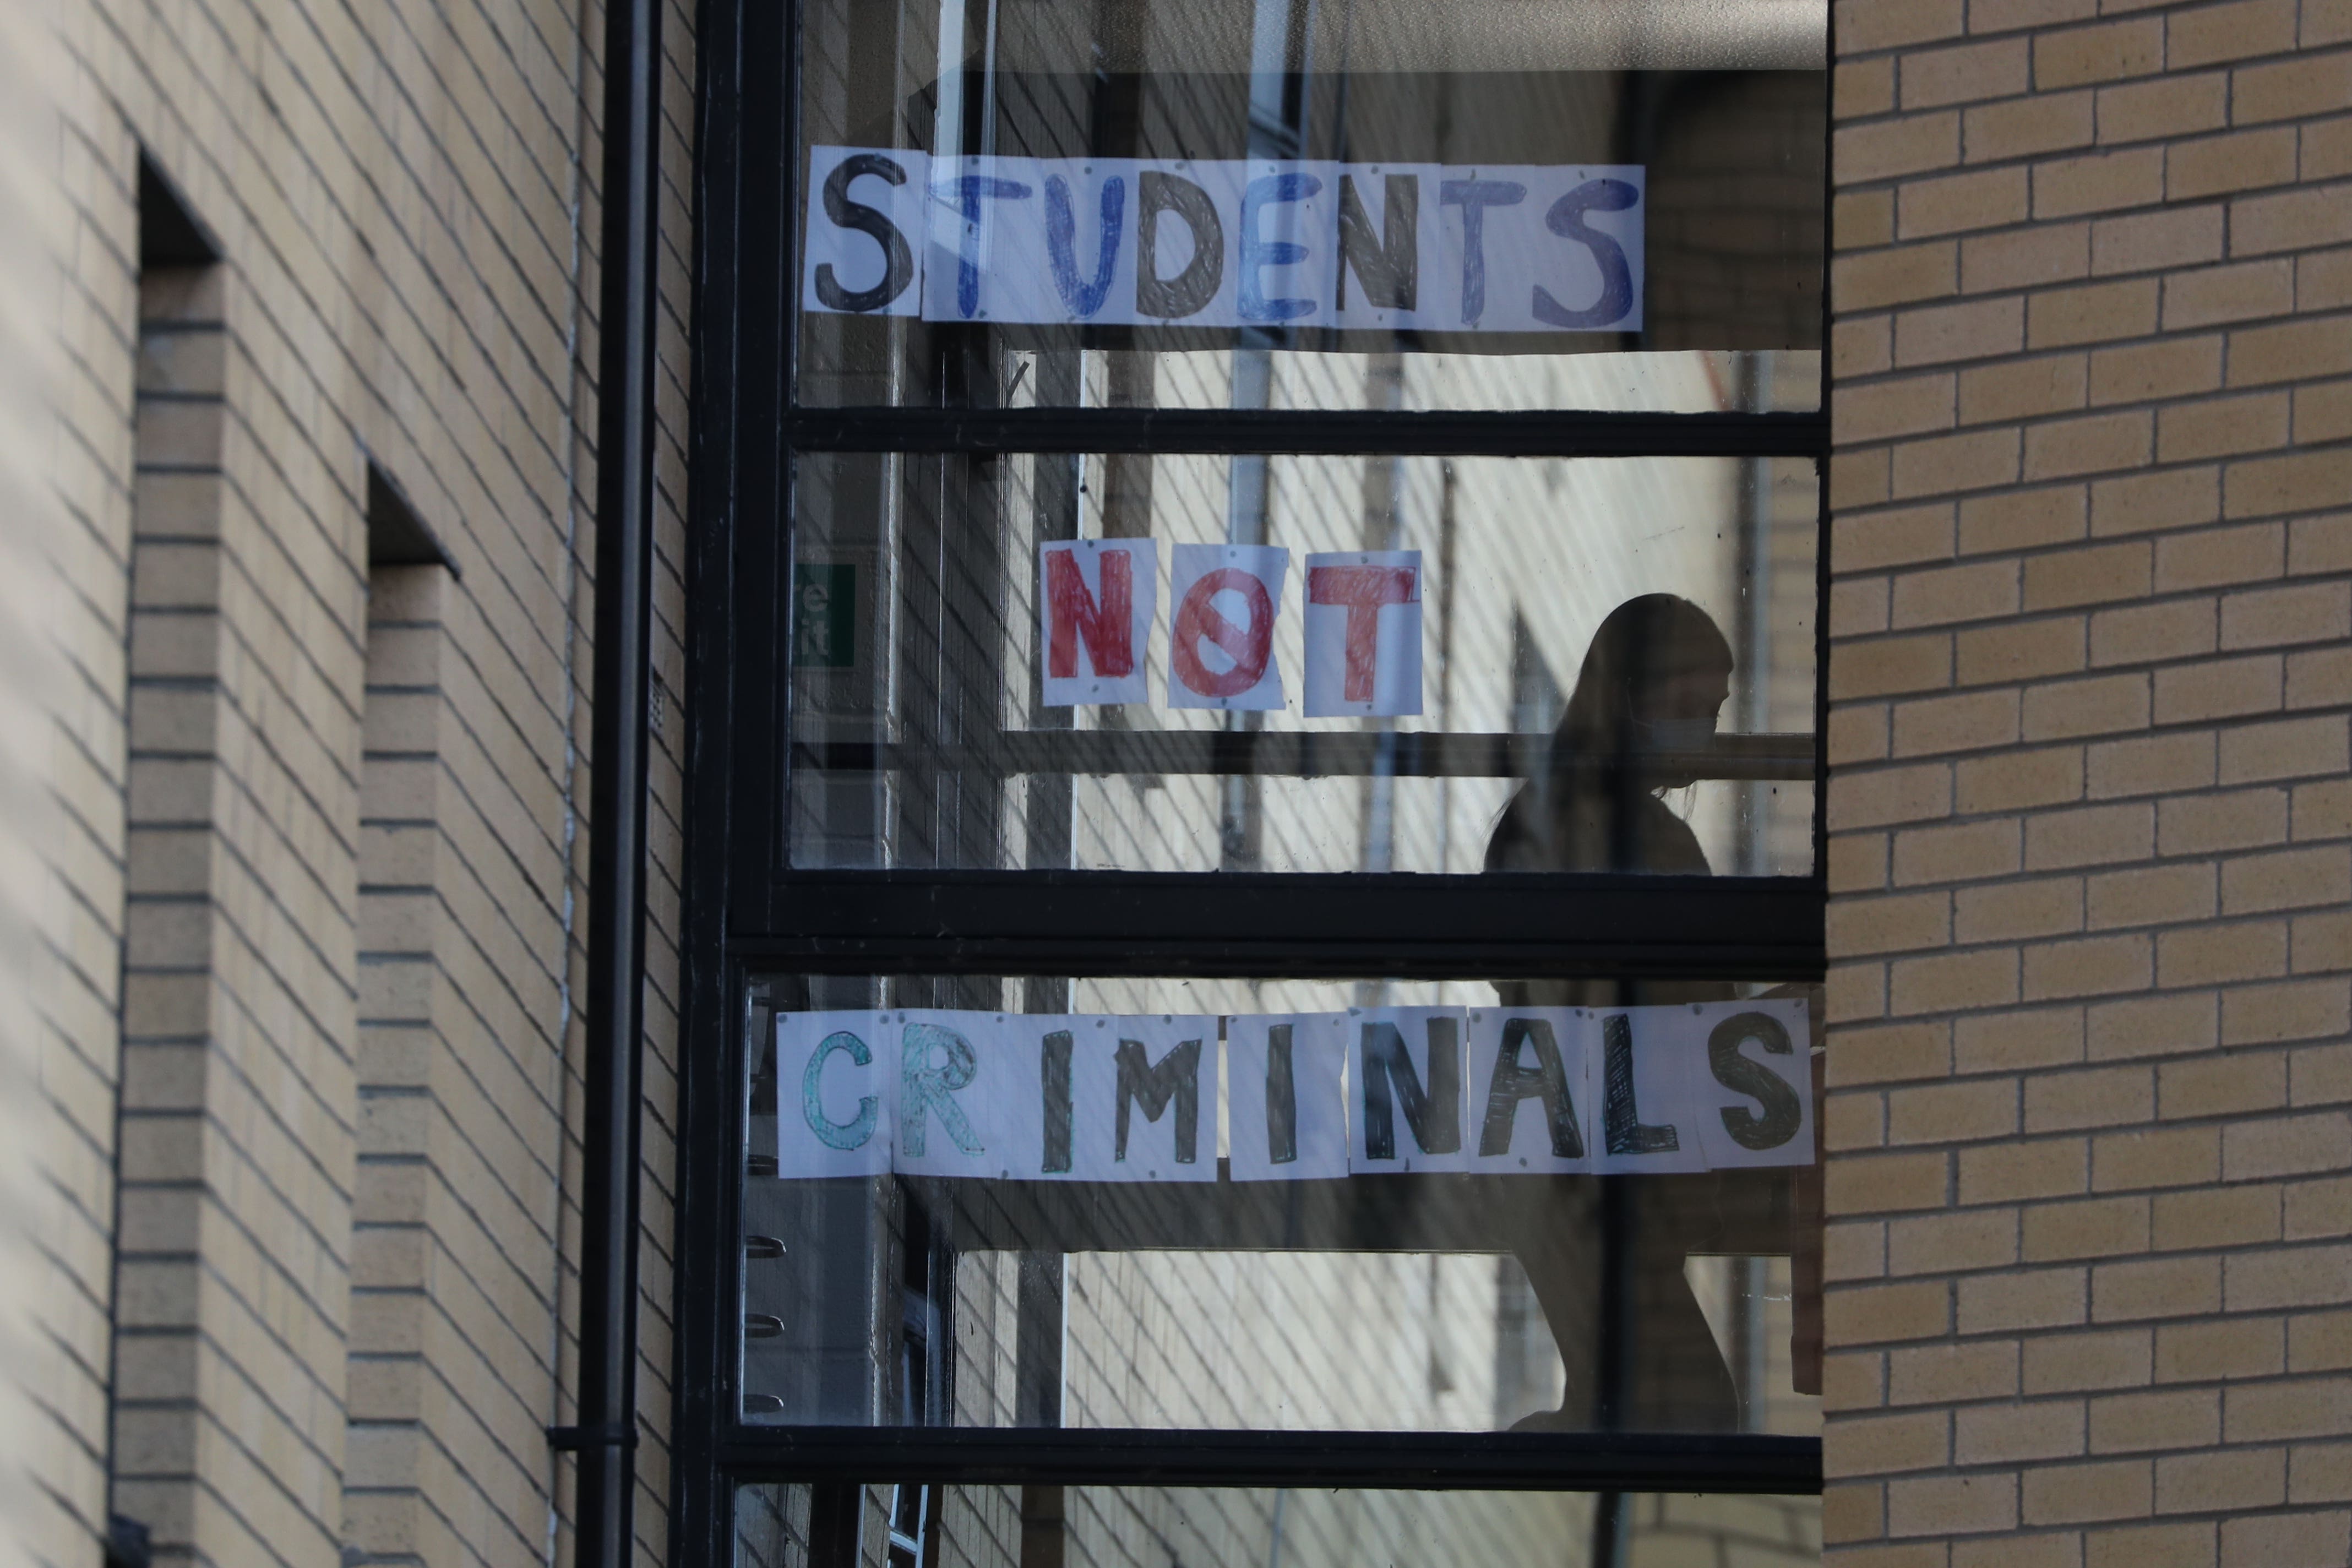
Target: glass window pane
x=1387, y=663
x=1281, y=1205
x=1428, y=151
x=780, y=1526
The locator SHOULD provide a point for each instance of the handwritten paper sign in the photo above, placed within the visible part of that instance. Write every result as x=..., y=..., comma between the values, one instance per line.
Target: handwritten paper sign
x=1310, y=1097
x=1094, y=603
x=1225, y=599
x=1363, y=633
x=1226, y=243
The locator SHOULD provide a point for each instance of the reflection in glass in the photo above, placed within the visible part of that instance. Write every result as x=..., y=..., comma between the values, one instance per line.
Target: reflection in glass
x=1377, y=1302
x=1723, y=105
x=1061, y=1527
x=1553, y=731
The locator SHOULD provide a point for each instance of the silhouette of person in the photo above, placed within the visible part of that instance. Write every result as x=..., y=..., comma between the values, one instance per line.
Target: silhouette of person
x=1606, y=1259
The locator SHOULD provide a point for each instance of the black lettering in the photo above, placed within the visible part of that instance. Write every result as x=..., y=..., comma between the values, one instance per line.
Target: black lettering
x=1514, y=1082
x=1183, y=295
x=1054, y=1068
x=1391, y=271
x=1627, y=1133
x=1281, y=1098
x=1784, y=1113
x=1177, y=1076
x=1434, y=1114
x=898, y=260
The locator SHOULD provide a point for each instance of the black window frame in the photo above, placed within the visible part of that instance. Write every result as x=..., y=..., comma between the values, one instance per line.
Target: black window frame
x=744, y=913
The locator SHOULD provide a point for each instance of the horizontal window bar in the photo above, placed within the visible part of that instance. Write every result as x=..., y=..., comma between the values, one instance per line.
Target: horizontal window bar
x=1269, y=754
x=1498, y=1462
x=1544, y=434
x=1506, y=925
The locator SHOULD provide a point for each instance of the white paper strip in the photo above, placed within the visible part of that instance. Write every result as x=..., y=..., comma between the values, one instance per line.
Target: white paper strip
x=835, y=1078
x=1226, y=243
x=1649, y=1065
x=1224, y=601
x=1287, y=1109
x=1405, y=1110
x=1094, y=603
x=1528, y=1094
x=959, y=1096
x=1757, y=1103
x=1363, y=633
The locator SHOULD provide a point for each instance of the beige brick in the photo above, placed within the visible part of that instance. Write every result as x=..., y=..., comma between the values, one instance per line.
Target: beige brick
x=2172, y=367
x=2030, y=1298
x=2316, y=1145
x=2290, y=220
x=2154, y=1157
x=2053, y=1548
x=2089, y=967
x=2226, y=1348
x=1888, y=1184
x=1865, y=25
x=2211, y=35
x=2302, y=481
x=2155, y=765
x=1891, y=1053
x=1857, y=609
x=2045, y=123
x=2221, y=1482
x=1884, y=409
x=2241, y=291
x=2318, y=1341
x=2158, y=1287
x=2153, y=1027
x=2041, y=1037
x=2217, y=955
x=2084, y=1227
x=1959, y=204
x=2022, y=520
x=2103, y=1097
x=2019, y=779
x=2318, y=612
x=2101, y=705
x=1865, y=347
x=2019, y=650
x=2097, y=312
x=1858, y=478
x=2265, y=1014
x=2323, y=282
x=1975, y=461
x=2021, y=389
x=1951, y=981
x=2151, y=1546
x=2098, y=182
x=1901, y=537
x=2218, y=689
x=1885, y=149
x=2310, y=1407
x=1940, y=725
x=1939, y=1243
x=1888, y=1444
x=1893, y=924
x=2220, y=1217
x=2006, y=1434
x=2146, y=503
x=2089, y=836
x=2244, y=160
x=2215, y=557
x=2323, y=942
x=1876, y=278
x=2095, y=575
x=1852, y=1512
x=2008, y=15
x=1883, y=795
x=1870, y=1314
x=2187, y=433
x=2322, y=414
x=2112, y=52
x=2290, y=351
x=1857, y=861
x=1951, y=1505
x=2049, y=1167
x=1887, y=664
x=1952, y=1113
x=2137, y=1423
x=2068, y=1364
x=2319, y=544
x=2157, y=895
x=2290, y=748
x=2302, y=879
x=1976, y=591
x=2287, y=1541
x=1859, y=88
x=2316, y=84
x=1935, y=77
x=2171, y=106
x=2075, y=1494
x=2022, y=257
x=2015, y=911
x=2142, y=242
x=2203, y=824
x=2320, y=677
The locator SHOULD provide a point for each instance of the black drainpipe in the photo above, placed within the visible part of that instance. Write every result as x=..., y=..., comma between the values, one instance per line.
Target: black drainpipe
x=606, y=1436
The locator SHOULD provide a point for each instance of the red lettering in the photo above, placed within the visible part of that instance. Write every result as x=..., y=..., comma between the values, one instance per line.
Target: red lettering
x=1249, y=647
x=1363, y=590
x=1108, y=628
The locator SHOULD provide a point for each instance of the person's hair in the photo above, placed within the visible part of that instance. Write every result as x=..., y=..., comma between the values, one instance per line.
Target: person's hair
x=1644, y=640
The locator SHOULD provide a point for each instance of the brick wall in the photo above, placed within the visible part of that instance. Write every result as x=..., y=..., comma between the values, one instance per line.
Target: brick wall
x=340, y=815
x=2090, y=825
